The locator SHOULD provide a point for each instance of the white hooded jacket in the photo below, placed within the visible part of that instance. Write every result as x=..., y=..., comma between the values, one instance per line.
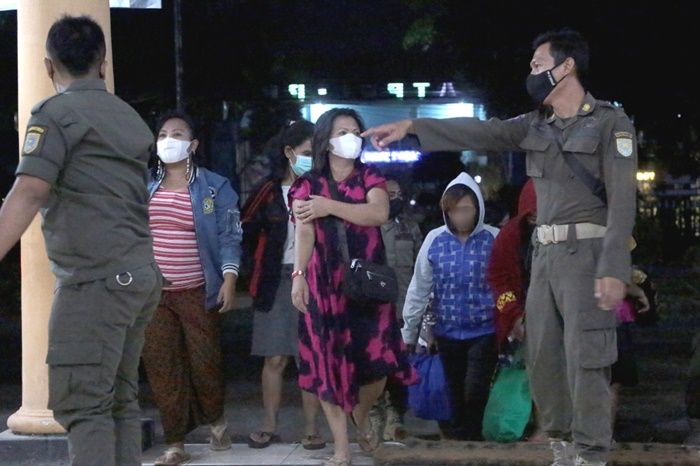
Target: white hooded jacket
x=456, y=274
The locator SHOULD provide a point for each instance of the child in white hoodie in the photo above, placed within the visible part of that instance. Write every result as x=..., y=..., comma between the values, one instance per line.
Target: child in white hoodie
x=452, y=264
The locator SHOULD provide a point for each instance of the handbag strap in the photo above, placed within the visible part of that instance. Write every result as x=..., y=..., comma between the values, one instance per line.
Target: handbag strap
x=340, y=225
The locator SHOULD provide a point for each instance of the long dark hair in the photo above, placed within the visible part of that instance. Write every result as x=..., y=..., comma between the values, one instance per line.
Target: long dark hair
x=293, y=134
x=324, y=128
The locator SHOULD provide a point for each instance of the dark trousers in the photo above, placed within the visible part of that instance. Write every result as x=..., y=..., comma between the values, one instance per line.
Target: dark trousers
x=96, y=332
x=469, y=366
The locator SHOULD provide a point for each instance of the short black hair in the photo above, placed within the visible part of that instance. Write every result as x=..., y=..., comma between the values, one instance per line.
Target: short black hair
x=77, y=43
x=322, y=136
x=566, y=43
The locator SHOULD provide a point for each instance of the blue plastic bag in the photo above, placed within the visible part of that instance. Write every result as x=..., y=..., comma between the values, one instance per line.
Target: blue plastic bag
x=429, y=398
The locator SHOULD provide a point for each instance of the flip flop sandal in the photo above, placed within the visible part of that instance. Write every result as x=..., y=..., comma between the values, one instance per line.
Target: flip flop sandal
x=333, y=461
x=367, y=441
x=219, y=441
x=313, y=442
x=173, y=456
x=271, y=437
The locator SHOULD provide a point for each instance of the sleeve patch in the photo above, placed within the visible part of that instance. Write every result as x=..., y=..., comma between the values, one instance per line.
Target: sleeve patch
x=505, y=298
x=623, y=134
x=625, y=146
x=33, y=139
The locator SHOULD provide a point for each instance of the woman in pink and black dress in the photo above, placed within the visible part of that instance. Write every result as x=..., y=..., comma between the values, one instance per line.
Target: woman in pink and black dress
x=347, y=350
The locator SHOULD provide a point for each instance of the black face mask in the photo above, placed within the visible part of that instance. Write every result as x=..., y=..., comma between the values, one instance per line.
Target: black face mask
x=539, y=86
x=395, y=207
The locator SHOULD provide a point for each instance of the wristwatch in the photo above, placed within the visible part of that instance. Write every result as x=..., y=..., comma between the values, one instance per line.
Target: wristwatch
x=298, y=273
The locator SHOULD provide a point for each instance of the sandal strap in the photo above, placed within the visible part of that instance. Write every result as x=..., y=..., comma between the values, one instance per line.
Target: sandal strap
x=175, y=451
x=333, y=461
x=173, y=454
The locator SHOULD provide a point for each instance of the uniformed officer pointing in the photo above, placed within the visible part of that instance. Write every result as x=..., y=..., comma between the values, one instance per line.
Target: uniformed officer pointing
x=84, y=164
x=581, y=154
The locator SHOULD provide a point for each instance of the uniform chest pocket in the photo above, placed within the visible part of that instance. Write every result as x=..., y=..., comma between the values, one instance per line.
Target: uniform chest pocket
x=586, y=150
x=535, y=145
x=584, y=145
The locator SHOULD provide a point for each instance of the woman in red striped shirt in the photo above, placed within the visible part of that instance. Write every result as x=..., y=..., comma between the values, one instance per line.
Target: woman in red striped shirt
x=196, y=231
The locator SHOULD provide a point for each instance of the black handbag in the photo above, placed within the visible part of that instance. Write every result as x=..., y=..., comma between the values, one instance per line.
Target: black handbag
x=363, y=281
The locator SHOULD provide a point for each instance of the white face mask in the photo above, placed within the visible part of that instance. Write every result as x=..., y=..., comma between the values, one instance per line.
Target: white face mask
x=347, y=146
x=171, y=150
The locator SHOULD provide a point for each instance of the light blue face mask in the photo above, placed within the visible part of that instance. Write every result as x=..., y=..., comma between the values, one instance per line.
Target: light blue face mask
x=302, y=165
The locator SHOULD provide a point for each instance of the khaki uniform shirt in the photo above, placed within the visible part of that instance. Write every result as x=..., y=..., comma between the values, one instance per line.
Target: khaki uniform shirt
x=600, y=136
x=93, y=149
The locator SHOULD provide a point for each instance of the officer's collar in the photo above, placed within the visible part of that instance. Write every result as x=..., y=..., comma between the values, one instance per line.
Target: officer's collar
x=87, y=84
x=587, y=106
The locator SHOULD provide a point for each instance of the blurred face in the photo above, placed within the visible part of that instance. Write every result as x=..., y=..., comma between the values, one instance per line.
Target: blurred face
x=463, y=215
x=394, y=190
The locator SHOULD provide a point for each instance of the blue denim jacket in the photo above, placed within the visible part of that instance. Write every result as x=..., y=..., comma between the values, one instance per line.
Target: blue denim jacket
x=217, y=226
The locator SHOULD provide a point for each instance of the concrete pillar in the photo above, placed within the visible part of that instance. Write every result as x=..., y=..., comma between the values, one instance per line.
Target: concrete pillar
x=34, y=18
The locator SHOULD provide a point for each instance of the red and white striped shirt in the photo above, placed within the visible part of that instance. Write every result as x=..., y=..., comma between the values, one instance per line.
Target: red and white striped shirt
x=174, y=239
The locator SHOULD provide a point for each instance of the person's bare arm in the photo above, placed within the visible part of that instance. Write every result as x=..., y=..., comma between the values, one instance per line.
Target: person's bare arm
x=304, y=238
x=374, y=212
x=23, y=202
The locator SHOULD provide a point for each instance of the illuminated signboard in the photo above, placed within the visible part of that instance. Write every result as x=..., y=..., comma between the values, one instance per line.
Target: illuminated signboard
x=395, y=89
x=391, y=156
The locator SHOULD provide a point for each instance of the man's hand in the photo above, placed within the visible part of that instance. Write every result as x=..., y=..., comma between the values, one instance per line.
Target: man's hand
x=316, y=207
x=383, y=135
x=518, y=332
x=227, y=293
x=610, y=292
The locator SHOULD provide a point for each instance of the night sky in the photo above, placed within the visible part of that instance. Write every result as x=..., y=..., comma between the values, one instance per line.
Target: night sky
x=643, y=53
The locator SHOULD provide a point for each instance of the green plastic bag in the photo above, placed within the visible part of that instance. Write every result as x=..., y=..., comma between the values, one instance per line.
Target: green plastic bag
x=509, y=407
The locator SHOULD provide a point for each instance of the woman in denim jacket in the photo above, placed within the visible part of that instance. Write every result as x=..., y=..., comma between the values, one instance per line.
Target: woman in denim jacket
x=196, y=231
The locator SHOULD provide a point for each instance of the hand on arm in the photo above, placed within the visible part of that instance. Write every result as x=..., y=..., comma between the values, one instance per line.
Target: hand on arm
x=374, y=212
